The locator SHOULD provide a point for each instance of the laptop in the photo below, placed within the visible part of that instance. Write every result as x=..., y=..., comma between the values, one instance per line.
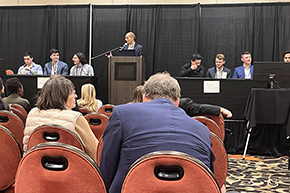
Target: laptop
x=126, y=53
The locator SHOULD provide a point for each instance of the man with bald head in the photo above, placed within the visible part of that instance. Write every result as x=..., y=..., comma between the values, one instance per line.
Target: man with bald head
x=132, y=45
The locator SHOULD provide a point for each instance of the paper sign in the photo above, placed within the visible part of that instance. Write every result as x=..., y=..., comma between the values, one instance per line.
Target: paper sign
x=211, y=86
x=41, y=81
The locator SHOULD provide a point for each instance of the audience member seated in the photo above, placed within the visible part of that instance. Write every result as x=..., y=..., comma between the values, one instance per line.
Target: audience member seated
x=88, y=98
x=193, y=68
x=138, y=94
x=29, y=68
x=15, y=87
x=3, y=105
x=219, y=71
x=188, y=105
x=81, y=68
x=245, y=71
x=156, y=124
x=53, y=106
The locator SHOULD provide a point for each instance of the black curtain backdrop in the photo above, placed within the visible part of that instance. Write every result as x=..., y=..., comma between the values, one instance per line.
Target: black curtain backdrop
x=168, y=33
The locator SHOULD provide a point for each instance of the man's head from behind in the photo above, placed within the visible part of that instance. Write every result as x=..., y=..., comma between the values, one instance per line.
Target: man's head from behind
x=14, y=86
x=286, y=56
x=162, y=85
x=196, y=58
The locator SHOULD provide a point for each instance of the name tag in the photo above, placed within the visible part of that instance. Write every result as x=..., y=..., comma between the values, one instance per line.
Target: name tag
x=224, y=74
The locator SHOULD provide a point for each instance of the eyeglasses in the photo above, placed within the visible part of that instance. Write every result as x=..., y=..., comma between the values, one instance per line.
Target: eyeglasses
x=73, y=92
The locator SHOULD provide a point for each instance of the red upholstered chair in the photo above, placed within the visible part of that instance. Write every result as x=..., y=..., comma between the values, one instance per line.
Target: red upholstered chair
x=19, y=114
x=54, y=133
x=20, y=108
x=97, y=122
x=10, y=156
x=221, y=159
x=106, y=109
x=58, y=168
x=8, y=71
x=212, y=126
x=14, y=124
x=99, y=150
x=219, y=120
x=85, y=110
x=170, y=172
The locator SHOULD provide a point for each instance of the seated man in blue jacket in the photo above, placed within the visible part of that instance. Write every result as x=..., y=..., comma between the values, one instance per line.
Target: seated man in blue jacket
x=55, y=66
x=219, y=71
x=154, y=125
x=245, y=71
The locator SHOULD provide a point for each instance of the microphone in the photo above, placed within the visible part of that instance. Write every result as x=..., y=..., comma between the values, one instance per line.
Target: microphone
x=121, y=48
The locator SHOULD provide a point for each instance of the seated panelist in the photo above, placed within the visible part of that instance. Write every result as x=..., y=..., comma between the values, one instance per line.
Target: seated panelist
x=219, y=71
x=29, y=68
x=81, y=68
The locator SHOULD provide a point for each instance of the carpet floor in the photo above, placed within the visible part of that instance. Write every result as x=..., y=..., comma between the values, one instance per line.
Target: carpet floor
x=258, y=174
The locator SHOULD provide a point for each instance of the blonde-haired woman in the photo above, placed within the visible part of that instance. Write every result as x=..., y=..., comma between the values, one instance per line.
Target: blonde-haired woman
x=88, y=98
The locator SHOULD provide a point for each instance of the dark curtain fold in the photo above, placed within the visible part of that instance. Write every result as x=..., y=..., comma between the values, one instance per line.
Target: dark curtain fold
x=40, y=28
x=109, y=28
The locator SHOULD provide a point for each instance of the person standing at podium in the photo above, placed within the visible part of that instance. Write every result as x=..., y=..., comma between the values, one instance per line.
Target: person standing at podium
x=29, y=68
x=55, y=66
x=81, y=68
x=132, y=45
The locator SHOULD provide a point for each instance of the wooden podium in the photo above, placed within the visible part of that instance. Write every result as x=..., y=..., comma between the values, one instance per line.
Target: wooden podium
x=124, y=75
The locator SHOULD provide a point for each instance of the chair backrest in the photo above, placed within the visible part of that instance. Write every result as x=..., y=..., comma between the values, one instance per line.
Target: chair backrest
x=170, y=172
x=8, y=71
x=212, y=126
x=219, y=120
x=14, y=124
x=85, y=110
x=221, y=159
x=10, y=156
x=106, y=109
x=97, y=122
x=19, y=114
x=20, y=108
x=57, y=167
x=54, y=133
x=99, y=150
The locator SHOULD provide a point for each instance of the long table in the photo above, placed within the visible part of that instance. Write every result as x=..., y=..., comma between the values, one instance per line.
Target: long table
x=30, y=83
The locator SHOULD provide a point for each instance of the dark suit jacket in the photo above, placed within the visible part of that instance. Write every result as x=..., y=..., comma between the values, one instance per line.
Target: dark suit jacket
x=62, y=68
x=212, y=71
x=240, y=73
x=188, y=72
x=138, y=49
x=193, y=109
x=140, y=128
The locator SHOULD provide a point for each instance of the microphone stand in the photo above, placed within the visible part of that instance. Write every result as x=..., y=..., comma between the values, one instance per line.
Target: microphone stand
x=102, y=54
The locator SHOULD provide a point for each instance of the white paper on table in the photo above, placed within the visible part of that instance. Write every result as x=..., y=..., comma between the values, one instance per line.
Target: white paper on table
x=41, y=81
x=211, y=86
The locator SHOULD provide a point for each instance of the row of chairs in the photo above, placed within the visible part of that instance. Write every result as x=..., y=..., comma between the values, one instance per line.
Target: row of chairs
x=217, y=131
x=55, y=167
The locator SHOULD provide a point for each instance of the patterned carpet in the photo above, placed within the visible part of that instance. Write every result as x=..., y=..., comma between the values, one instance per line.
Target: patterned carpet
x=258, y=174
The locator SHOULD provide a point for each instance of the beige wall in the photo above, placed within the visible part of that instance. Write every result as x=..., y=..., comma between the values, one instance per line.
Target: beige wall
x=122, y=2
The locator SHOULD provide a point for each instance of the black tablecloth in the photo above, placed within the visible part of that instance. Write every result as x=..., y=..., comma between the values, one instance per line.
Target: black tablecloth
x=268, y=106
